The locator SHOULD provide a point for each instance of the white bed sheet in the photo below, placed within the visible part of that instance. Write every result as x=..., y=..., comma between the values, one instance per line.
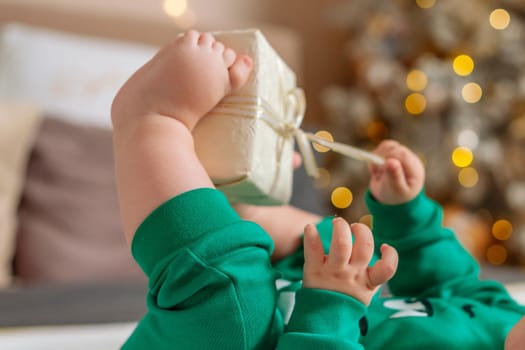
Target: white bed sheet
x=82, y=337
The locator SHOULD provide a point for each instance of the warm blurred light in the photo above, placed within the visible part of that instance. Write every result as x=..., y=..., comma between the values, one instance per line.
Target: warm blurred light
x=415, y=103
x=502, y=230
x=497, y=254
x=366, y=219
x=187, y=20
x=175, y=8
x=324, y=135
x=416, y=80
x=377, y=130
x=462, y=157
x=499, y=19
x=471, y=92
x=468, y=177
x=468, y=138
x=463, y=65
x=517, y=128
x=323, y=180
x=425, y=4
x=342, y=197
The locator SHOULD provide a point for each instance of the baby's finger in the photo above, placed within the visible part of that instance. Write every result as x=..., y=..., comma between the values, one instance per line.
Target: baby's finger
x=341, y=244
x=313, y=248
x=396, y=174
x=363, y=248
x=385, y=268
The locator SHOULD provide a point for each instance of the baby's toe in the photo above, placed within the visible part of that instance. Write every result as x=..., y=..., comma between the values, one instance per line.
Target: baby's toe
x=240, y=71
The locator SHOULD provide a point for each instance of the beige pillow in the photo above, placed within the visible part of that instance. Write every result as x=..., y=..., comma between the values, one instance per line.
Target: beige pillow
x=18, y=125
x=69, y=227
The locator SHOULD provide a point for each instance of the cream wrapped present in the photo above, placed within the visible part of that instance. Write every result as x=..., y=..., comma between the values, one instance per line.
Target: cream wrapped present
x=246, y=143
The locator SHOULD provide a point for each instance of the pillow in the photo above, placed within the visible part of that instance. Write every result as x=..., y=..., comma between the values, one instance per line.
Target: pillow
x=69, y=225
x=18, y=125
x=70, y=76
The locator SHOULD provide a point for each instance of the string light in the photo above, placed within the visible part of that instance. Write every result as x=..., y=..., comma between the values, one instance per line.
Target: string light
x=415, y=103
x=502, y=229
x=416, y=80
x=366, y=219
x=324, y=135
x=471, y=92
x=463, y=65
x=499, y=19
x=175, y=8
x=468, y=177
x=425, y=4
x=462, y=157
x=468, y=138
x=342, y=197
x=497, y=254
x=377, y=130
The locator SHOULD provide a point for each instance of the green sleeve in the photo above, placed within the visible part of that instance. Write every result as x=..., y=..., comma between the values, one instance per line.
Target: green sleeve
x=211, y=285
x=323, y=319
x=430, y=257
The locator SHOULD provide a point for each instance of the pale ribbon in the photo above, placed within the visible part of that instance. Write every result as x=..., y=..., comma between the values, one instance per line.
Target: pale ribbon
x=287, y=126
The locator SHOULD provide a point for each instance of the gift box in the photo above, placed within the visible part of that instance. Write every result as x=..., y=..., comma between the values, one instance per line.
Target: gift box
x=246, y=143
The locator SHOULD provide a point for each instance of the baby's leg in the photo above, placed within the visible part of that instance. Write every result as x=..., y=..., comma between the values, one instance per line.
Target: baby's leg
x=153, y=116
x=516, y=337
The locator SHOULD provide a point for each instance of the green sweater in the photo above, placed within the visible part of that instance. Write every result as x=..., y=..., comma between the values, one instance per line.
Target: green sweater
x=211, y=286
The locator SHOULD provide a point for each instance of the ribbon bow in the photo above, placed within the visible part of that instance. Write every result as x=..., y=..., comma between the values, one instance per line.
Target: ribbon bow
x=288, y=125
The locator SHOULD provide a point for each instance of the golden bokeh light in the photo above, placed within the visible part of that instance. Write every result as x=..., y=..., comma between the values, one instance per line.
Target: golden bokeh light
x=499, y=19
x=366, y=219
x=324, y=178
x=377, y=130
x=471, y=92
x=342, y=197
x=425, y=4
x=468, y=177
x=502, y=229
x=415, y=103
x=462, y=157
x=463, y=65
x=175, y=8
x=497, y=254
x=416, y=80
x=324, y=135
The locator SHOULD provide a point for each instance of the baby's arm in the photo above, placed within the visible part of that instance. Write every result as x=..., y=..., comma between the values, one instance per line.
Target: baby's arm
x=429, y=255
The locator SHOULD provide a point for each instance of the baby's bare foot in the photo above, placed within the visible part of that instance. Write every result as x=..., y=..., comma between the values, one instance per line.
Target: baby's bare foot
x=184, y=80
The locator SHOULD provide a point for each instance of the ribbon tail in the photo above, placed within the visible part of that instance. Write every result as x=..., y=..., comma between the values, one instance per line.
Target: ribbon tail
x=305, y=148
x=347, y=150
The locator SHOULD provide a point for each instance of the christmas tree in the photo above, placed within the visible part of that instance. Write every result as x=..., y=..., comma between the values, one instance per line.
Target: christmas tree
x=447, y=79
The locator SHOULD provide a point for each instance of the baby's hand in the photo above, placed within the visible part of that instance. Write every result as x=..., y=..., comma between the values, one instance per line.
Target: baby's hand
x=400, y=178
x=345, y=269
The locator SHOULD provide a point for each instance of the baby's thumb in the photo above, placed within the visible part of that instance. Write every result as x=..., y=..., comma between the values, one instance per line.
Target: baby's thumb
x=385, y=268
